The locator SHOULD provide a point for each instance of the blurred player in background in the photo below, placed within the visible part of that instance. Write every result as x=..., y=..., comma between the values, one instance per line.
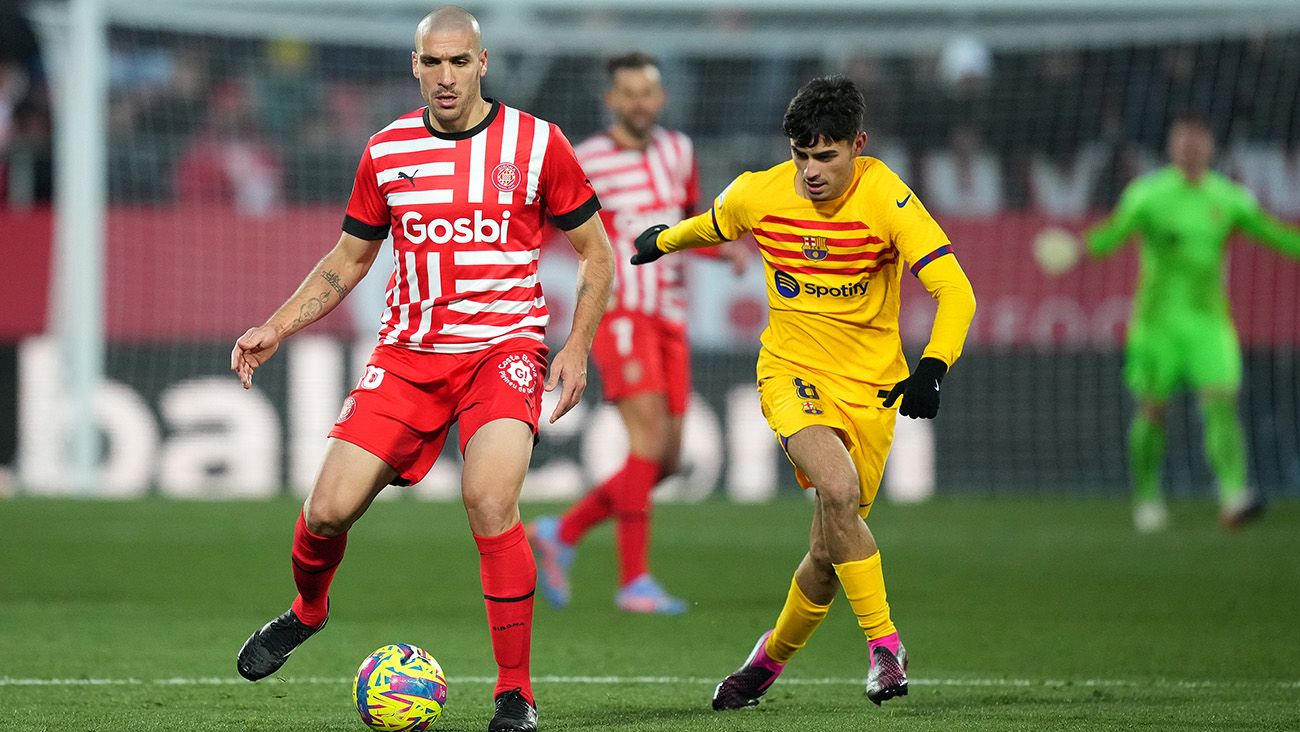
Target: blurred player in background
x=1181, y=331
x=836, y=231
x=644, y=174
x=463, y=184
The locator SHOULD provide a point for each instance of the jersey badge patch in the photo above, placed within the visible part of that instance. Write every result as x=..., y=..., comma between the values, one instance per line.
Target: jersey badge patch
x=519, y=372
x=814, y=248
x=349, y=408
x=505, y=177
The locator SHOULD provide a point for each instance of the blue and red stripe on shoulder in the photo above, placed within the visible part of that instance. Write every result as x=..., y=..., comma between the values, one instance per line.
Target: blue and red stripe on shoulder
x=920, y=263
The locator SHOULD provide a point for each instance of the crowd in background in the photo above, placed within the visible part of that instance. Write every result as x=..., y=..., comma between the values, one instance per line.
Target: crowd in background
x=254, y=124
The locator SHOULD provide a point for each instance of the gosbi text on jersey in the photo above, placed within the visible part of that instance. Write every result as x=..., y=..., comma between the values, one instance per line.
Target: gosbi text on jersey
x=466, y=212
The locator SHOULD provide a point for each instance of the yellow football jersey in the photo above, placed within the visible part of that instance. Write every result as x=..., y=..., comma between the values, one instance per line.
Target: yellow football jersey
x=834, y=269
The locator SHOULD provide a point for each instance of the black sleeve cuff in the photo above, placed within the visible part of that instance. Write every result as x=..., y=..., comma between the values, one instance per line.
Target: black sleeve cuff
x=713, y=212
x=362, y=230
x=578, y=216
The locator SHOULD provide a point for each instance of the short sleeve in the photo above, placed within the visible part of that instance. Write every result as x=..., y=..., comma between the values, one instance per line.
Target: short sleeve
x=912, y=230
x=730, y=217
x=368, y=215
x=566, y=192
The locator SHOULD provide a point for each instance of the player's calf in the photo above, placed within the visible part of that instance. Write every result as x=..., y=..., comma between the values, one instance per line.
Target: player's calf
x=269, y=647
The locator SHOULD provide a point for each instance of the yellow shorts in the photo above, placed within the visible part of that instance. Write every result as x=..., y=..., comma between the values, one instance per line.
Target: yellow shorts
x=792, y=401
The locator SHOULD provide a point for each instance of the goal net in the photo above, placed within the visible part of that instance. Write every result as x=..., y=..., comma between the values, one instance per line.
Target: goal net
x=234, y=129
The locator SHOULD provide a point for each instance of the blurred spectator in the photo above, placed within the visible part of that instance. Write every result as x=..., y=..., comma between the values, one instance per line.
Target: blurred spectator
x=287, y=90
x=926, y=103
x=1059, y=147
x=1064, y=182
x=965, y=73
x=965, y=178
x=178, y=106
x=881, y=121
x=1271, y=171
x=1181, y=79
x=228, y=163
x=25, y=154
x=29, y=175
x=1266, y=98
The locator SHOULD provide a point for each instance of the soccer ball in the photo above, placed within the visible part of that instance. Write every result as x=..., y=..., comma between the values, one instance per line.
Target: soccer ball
x=1056, y=250
x=400, y=687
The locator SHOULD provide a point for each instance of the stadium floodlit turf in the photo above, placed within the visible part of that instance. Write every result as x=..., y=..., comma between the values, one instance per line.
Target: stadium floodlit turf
x=1018, y=615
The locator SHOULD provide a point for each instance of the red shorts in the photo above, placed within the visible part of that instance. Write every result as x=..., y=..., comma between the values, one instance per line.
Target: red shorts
x=637, y=353
x=406, y=401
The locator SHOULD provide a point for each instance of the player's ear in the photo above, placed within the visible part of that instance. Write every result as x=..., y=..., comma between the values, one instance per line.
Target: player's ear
x=859, y=142
x=482, y=63
x=415, y=64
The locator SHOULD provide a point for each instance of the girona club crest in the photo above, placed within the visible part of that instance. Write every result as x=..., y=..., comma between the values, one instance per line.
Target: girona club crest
x=814, y=248
x=519, y=372
x=349, y=408
x=505, y=177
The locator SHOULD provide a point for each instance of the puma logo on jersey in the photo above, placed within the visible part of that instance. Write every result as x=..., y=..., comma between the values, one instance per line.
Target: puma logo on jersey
x=409, y=176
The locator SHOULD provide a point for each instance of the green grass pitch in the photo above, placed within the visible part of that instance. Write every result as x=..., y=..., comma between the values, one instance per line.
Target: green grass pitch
x=1018, y=614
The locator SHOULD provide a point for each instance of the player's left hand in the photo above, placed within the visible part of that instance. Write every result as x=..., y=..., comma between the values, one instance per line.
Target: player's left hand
x=920, y=391
x=568, y=371
x=647, y=245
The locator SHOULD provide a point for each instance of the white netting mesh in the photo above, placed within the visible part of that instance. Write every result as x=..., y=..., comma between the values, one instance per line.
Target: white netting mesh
x=234, y=132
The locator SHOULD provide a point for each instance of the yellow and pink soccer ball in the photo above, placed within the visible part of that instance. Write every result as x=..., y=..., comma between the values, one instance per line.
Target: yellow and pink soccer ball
x=400, y=688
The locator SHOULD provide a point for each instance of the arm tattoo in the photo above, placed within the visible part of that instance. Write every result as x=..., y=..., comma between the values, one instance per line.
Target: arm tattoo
x=309, y=311
x=334, y=280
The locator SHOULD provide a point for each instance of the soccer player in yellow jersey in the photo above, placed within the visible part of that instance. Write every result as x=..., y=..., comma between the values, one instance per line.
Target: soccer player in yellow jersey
x=836, y=231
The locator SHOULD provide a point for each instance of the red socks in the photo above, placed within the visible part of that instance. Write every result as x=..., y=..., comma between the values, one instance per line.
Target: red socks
x=315, y=558
x=631, y=504
x=624, y=493
x=626, y=496
x=509, y=576
x=587, y=512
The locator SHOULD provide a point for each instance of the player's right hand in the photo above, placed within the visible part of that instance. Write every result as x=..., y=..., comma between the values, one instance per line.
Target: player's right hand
x=647, y=245
x=253, y=349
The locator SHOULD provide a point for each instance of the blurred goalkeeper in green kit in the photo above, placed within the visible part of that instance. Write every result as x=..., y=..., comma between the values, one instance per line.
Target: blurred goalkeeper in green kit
x=1181, y=332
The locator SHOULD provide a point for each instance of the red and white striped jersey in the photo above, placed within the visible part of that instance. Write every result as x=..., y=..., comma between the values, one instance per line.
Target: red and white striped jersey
x=638, y=189
x=465, y=210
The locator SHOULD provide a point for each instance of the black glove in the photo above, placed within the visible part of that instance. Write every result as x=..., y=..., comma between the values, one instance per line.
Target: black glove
x=920, y=391
x=647, y=250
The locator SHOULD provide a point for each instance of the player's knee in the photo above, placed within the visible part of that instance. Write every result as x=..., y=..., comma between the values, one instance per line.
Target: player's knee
x=322, y=519
x=651, y=443
x=489, y=513
x=839, y=496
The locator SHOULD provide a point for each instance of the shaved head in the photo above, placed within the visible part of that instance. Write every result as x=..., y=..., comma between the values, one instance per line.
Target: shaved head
x=449, y=19
x=449, y=61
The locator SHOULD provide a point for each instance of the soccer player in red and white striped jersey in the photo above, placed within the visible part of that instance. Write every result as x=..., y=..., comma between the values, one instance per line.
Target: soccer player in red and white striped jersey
x=463, y=185
x=644, y=174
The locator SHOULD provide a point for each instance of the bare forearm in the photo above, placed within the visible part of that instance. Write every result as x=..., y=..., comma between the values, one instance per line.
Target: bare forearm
x=329, y=282
x=595, y=276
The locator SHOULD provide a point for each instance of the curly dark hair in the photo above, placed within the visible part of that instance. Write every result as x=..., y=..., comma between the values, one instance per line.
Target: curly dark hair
x=827, y=108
